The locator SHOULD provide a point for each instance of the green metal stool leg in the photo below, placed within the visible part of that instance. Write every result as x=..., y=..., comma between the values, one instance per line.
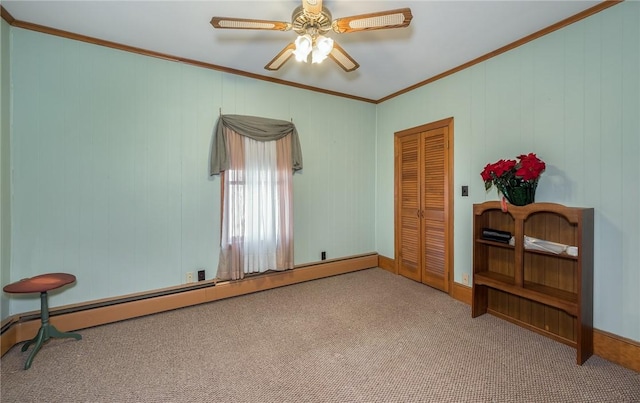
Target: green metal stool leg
x=40, y=338
x=45, y=332
x=26, y=345
x=53, y=332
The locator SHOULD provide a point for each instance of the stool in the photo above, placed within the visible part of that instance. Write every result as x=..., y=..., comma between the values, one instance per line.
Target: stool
x=42, y=284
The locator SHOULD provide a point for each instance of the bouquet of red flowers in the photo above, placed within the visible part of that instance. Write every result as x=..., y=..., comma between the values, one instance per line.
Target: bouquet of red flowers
x=516, y=180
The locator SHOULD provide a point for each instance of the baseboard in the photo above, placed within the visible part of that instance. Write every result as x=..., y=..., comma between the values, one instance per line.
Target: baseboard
x=8, y=337
x=387, y=263
x=24, y=326
x=622, y=351
x=611, y=347
x=461, y=293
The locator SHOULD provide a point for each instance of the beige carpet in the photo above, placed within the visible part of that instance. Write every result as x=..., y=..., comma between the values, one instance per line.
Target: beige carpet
x=368, y=336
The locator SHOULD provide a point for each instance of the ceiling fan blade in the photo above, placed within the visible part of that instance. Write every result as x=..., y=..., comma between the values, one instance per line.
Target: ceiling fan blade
x=381, y=20
x=342, y=58
x=312, y=7
x=244, y=23
x=281, y=57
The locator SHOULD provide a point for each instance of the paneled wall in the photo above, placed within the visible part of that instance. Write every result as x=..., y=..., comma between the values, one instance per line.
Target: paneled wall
x=572, y=97
x=110, y=154
x=5, y=166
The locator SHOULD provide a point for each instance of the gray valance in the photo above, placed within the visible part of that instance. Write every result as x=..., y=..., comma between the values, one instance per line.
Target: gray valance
x=257, y=128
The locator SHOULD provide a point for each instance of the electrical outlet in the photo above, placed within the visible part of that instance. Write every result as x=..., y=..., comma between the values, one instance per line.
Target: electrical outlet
x=323, y=255
x=465, y=279
x=465, y=190
x=189, y=277
x=201, y=275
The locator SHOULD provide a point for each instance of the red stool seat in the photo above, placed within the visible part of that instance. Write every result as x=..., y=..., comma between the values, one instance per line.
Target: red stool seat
x=42, y=284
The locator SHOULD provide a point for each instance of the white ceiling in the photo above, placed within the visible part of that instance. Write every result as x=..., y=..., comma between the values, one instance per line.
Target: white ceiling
x=442, y=35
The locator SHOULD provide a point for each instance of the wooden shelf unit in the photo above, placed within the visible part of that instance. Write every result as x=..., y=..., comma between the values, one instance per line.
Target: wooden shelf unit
x=551, y=294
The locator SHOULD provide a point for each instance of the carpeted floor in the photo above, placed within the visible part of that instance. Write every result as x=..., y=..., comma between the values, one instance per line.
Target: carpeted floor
x=368, y=336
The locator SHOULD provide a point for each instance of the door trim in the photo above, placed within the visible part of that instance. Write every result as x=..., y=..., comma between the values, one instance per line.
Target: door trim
x=448, y=195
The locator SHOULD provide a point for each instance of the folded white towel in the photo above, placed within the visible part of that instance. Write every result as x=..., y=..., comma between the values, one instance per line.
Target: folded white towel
x=545, y=246
x=572, y=250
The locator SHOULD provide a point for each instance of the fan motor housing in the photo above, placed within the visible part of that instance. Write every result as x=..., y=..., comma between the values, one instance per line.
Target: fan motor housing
x=303, y=22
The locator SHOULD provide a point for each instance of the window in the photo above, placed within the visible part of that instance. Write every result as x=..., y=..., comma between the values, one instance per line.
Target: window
x=257, y=207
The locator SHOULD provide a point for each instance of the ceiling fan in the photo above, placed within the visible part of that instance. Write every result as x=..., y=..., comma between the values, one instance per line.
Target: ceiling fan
x=311, y=21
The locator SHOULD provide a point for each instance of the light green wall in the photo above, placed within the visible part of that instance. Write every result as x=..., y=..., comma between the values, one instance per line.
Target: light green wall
x=573, y=97
x=110, y=154
x=5, y=166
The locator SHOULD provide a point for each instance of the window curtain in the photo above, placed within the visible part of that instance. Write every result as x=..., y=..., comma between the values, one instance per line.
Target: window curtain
x=257, y=128
x=257, y=218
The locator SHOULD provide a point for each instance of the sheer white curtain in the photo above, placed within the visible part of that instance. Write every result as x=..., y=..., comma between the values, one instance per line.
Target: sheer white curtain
x=257, y=219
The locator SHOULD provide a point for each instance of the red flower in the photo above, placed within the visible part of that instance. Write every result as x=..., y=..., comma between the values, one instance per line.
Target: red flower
x=510, y=173
x=497, y=169
x=486, y=173
x=530, y=167
x=503, y=166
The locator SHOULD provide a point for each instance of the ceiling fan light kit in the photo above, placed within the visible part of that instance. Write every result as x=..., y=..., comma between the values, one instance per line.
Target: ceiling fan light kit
x=319, y=48
x=303, y=47
x=311, y=22
x=322, y=48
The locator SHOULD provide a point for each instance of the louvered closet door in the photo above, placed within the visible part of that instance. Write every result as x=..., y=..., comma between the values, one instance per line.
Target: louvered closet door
x=433, y=228
x=423, y=230
x=409, y=250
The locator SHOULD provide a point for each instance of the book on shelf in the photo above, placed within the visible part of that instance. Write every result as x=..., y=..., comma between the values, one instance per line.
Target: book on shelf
x=491, y=234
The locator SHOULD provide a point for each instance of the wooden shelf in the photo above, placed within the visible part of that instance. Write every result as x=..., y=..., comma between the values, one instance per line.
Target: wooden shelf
x=543, y=253
x=551, y=294
x=494, y=243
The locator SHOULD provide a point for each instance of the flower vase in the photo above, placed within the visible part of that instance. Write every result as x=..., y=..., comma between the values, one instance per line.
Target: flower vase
x=522, y=194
